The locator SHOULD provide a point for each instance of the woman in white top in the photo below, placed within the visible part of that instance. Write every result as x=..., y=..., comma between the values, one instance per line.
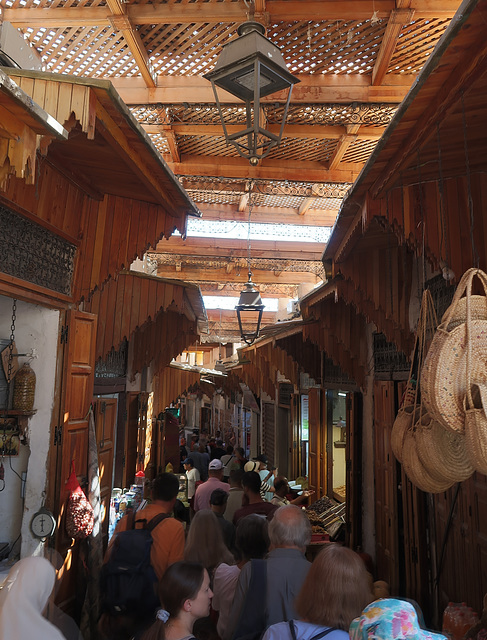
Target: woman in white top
x=336, y=588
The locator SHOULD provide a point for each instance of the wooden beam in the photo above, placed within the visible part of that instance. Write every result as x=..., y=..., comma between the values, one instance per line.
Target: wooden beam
x=220, y=275
x=343, y=144
x=316, y=132
x=267, y=249
x=397, y=20
x=444, y=101
x=312, y=89
x=112, y=133
x=225, y=12
x=304, y=206
x=121, y=22
x=227, y=290
x=227, y=167
x=269, y=215
x=172, y=142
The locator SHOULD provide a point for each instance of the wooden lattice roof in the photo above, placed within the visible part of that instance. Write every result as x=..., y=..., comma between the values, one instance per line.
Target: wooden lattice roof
x=355, y=62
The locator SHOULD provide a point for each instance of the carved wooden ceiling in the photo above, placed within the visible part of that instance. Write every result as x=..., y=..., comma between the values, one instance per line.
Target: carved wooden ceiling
x=355, y=61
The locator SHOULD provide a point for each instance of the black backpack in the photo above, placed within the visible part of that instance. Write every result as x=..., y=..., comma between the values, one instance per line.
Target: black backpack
x=128, y=581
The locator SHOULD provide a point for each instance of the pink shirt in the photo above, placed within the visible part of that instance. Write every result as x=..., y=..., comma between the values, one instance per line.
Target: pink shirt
x=204, y=491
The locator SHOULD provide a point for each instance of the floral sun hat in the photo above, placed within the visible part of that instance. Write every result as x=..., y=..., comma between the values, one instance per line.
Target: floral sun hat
x=390, y=619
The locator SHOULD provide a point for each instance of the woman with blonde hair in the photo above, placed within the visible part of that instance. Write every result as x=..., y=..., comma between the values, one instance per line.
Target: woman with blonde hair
x=205, y=542
x=334, y=592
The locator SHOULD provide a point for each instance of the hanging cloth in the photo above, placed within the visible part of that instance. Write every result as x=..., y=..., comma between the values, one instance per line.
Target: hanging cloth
x=23, y=599
x=91, y=606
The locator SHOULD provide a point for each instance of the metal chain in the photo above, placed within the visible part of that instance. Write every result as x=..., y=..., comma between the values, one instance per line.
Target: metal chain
x=251, y=186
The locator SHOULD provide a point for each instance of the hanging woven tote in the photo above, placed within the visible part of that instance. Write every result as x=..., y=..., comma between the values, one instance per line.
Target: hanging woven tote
x=442, y=451
x=475, y=405
x=417, y=473
x=409, y=413
x=443, y=377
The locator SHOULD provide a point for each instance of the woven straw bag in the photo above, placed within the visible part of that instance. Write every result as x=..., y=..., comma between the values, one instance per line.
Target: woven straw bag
x=475, y=405
x=404, y=420
x=409, y=413
x=441, y=451
x=419, y=475
x=443, y=377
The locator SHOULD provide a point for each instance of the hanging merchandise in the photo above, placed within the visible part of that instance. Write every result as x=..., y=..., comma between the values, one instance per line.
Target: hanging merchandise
x=475, y=401
x=443, y=377
x=409, y=412
x=433, y=457
x=79, y=512
x=24, y=389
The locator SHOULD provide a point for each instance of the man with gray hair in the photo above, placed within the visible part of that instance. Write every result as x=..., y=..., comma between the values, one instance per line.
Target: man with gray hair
x=285, y=568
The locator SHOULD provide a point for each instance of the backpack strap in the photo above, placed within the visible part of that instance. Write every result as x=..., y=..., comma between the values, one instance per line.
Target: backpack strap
x=322, y=634
x=292, y=629
x=152, y=524
x=319, y=635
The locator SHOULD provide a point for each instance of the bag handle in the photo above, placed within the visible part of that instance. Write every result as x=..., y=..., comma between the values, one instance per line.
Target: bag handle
x=468, y=328
x=464, y=286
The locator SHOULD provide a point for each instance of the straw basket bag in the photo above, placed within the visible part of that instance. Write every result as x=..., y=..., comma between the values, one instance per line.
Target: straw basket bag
x=443, y=377
x=441, y=451
x=420, y=475
x=409, y=413
x=475, y=405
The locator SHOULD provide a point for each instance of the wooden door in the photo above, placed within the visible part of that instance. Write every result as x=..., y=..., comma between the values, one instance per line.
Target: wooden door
x=105, y=411
x=328, y=443
x=353, y=476
x=386, y=520
x=131, y=437
x=143, y=398
x=71, y=437
x=314, y=466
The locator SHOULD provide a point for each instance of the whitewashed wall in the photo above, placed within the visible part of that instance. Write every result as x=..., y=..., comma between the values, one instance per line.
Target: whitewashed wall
x=36, y=328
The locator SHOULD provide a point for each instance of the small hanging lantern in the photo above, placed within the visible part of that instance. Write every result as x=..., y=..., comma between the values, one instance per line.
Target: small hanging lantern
x=250, y=302
x=251, y=67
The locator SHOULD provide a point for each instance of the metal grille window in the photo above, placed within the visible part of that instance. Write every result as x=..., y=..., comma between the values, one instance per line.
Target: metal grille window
x=35, y=254
x=387, y=359
x=114, y=365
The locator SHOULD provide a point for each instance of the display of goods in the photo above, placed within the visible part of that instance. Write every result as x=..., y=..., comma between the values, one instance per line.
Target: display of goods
x=321, y=505
x=24, y=389
x=404, y=420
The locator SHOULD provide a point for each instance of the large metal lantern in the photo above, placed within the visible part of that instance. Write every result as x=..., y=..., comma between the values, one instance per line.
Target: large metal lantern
x=250, y=302
x=251, y=67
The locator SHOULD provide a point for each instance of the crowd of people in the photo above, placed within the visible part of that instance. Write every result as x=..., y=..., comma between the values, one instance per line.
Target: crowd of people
x=239, y=571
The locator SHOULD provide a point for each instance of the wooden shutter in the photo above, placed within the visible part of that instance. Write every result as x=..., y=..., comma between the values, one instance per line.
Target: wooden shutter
x=353, y=476
x=105, y=422
x=386, y=523
x=71, y=441
x=269, y=431
x=131, y=435
x=314, y=466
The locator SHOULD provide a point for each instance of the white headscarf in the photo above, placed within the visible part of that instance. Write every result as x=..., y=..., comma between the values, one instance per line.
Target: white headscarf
x=23, y=598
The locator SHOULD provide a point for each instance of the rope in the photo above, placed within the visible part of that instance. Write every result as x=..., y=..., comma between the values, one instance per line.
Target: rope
x=475, y=255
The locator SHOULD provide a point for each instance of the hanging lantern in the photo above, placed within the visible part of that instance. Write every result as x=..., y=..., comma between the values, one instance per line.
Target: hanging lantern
x=251, y=67
x=250, y=303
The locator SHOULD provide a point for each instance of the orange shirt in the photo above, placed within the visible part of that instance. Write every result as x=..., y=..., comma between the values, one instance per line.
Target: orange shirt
x=167, y=537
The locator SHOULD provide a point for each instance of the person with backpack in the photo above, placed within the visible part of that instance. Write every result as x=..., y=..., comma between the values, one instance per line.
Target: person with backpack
x=336, y=588
x=185, y=596
x=168, y=535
